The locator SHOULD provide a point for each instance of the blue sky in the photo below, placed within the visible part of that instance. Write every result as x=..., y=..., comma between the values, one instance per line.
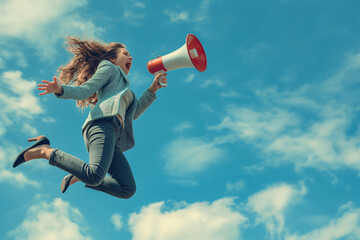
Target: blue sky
x=262, y=145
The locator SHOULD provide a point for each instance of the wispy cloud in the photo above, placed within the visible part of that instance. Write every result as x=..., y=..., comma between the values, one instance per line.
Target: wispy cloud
x=185, y=156
x=212, y=81
x=134, y=12
x=202, y=220
x=202, y=13
x=10, y=52
x=250, y=54
x=305, y=127
x=183, y=126
x=17, y=179
x=230, y=94
x=189, y=78
x=346, y=226
x=235, y=186
x=176, y=17
x=51, y=220
x=132, y=17
x=138, y=4
x=198, y=14
x=116, y=220
x=270, y=204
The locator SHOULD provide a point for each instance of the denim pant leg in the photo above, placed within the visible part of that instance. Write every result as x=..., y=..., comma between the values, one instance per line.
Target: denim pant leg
x=101, y=137
x=121, y=182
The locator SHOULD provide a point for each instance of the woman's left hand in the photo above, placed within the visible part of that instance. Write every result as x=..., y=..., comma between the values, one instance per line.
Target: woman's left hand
x=156, y=85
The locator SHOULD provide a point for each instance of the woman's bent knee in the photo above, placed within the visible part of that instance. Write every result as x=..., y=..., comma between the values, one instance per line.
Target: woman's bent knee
x=129, y=193
x=94, y=179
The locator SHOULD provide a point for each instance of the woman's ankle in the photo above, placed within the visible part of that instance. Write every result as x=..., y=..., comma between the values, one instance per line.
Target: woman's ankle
x=46, y=151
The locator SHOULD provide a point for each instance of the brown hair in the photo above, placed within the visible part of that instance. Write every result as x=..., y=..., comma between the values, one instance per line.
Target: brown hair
x=87, y=56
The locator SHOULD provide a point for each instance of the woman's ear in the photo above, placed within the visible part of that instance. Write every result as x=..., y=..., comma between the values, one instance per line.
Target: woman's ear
x=112, y=59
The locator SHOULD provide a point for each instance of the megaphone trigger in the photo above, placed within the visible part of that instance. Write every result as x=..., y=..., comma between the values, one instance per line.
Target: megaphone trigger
x=161, y=78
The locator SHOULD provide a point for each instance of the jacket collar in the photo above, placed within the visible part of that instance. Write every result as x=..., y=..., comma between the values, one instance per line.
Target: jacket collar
x=124, y=75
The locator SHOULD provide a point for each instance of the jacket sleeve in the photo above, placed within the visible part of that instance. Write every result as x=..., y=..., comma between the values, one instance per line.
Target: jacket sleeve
x=143, y=103
x=100, y=78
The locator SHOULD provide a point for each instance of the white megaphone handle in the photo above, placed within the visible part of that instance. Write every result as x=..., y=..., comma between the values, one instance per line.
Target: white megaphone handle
x=160, y=82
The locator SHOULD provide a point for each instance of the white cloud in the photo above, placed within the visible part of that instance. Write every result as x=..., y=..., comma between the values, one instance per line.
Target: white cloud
x=185, y=156
x=29, y=130
x=270, y=205
x=116, y=220
x=139, y=4
x=189, y=78
x=17, y=95
x=198, y=14
x=235, y=186
x=251, y=125
x=321, y=143
x=304, y=127
x=176, y=17
x=346, y=78
x=132, y=17
x=202, y=13
x=183, y=126
x=253, y=53
x=201, y=220
x=33, y=22
x=346, y=226
x=17, y=179
x=134, y=12
x=230, y=94
x=48, y=119
x=212, y=81
x=9, y=52
x=56, y=220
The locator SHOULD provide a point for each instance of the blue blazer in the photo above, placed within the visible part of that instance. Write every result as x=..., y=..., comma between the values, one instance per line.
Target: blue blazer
x=110, y=83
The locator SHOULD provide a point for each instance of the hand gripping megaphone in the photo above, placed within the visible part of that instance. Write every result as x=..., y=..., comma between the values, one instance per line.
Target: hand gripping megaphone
x=191, y=54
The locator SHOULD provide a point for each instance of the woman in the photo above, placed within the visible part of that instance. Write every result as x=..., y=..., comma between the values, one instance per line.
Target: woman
x=99, y=73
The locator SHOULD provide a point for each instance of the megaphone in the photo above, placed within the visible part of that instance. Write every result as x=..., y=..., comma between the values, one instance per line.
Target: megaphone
x=191, y=54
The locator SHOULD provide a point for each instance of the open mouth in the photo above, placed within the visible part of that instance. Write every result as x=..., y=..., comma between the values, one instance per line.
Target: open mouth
x=128, y=65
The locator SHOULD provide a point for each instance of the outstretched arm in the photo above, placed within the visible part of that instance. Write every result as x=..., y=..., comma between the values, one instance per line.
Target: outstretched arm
x=149, y=96
x=80, y=92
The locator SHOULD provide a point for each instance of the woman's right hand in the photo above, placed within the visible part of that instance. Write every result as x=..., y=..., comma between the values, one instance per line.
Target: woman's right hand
x=50, y=87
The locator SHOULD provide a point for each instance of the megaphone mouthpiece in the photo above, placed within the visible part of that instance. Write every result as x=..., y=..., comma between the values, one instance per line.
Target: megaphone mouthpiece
x=156, y=65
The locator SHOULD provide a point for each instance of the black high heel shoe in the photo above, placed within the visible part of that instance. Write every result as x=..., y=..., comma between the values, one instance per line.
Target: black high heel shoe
x=41, y=140
x=65, y=183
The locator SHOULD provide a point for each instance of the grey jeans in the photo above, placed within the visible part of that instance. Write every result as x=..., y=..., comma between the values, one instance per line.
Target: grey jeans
x=100, y=139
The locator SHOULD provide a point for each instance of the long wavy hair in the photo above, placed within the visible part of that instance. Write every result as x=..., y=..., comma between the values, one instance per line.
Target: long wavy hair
x=87, y=56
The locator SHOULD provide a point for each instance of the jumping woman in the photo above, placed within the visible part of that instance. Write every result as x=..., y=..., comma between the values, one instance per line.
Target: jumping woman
x=97, y=77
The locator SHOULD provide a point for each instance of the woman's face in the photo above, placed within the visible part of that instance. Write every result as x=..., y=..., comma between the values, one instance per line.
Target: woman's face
x=123, y=60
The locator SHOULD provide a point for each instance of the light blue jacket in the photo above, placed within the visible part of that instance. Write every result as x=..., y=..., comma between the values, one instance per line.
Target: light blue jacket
x=110, y=83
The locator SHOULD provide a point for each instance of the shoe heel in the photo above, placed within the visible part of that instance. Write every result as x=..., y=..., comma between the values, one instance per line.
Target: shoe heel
x=36, y=138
